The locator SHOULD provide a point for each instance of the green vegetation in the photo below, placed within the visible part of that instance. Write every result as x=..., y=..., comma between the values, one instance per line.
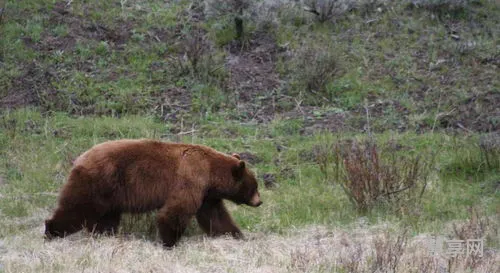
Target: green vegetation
x=38, y=151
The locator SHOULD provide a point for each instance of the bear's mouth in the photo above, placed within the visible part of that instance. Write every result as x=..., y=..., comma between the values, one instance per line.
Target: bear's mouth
x=255, y=200
x=256, y=204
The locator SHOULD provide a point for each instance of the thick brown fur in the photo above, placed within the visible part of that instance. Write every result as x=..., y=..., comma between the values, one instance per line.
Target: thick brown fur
x=179, y=180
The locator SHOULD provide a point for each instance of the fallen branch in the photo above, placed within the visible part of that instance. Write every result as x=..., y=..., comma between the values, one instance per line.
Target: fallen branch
x=309, y=9
x=186, y=132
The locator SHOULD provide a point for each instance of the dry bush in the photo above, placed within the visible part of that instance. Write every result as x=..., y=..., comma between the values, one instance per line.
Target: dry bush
x=388, y=252
x=314, y=78
x=196, y=57
x=192, y=47
x=477, y=227
x=195, y=46
x=369, y=178
x=352, y=263
x=369, y=175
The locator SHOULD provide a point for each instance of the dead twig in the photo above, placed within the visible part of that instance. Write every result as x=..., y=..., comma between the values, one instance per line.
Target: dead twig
x=186, y=132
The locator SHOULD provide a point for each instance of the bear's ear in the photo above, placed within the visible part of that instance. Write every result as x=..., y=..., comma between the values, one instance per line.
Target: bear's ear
x=236, y=155
x=238, y=170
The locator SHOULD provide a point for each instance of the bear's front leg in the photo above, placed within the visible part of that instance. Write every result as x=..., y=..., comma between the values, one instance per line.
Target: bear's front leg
x=215, y=220
x=173, y=219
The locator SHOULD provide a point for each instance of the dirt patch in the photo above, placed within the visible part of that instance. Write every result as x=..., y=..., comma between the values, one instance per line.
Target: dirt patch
x=319, y=119
x=34, y=86
x=250, y=158
x=479, y=113
x=163, y=35
x=383, y=115
x=78, y=28
x=174, y=103
x=253, y=76
x=269, y=180
x=29, y=88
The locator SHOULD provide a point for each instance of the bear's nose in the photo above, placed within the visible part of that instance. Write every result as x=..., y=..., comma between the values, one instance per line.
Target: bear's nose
x=258, y=204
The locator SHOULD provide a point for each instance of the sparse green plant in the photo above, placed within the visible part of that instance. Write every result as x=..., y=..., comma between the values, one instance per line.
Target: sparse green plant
x=102, y=48
x=476, y=160
x=207, y=99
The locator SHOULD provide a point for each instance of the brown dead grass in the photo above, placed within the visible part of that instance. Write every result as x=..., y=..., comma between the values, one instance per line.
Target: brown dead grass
x=313, y=249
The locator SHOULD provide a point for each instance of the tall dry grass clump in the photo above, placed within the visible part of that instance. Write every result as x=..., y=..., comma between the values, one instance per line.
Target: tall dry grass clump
x=477, y=227
x=388, y=251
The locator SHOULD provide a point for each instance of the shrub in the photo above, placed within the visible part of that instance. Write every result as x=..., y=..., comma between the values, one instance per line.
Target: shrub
x=369, y=175
x=231, y=8
x=198, y=59
x=388, y=252
x=313, y=68
x=195, y=46
x=477, y=227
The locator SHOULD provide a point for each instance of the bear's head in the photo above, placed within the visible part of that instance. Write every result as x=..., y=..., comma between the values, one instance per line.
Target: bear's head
x=247, y=192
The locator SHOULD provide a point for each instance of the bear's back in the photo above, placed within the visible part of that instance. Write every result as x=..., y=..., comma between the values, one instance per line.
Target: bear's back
x=177, y=158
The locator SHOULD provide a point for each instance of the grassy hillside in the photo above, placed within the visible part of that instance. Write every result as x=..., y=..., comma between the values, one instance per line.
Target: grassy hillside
x=372, y=125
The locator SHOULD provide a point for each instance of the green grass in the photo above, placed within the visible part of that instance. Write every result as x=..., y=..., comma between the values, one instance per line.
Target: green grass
x=37, y=150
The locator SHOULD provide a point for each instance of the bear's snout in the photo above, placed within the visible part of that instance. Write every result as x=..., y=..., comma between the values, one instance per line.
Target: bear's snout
x=48, y=234
x=255, y=201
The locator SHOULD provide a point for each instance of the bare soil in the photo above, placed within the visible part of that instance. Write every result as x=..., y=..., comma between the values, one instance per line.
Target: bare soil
x=253, y=75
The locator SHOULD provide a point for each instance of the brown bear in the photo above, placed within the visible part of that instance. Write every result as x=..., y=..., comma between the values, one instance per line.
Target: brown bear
x=180, y=180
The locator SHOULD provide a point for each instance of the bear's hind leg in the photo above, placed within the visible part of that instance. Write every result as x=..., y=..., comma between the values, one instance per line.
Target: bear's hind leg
x=106, y=224
x=215, y=220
